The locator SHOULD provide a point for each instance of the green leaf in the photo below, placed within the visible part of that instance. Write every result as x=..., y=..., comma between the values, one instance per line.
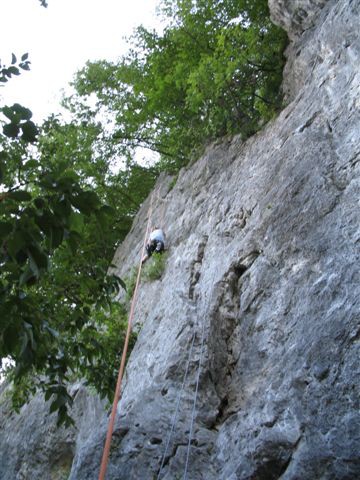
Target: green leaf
x=68, y=180
x=14, y=70
x=108, y=210
x=31, y=164
x=17, y=241
x=11, y=337
x=39, y=203
x=20, y=196
x=2, y=171
x=11, y=130
x=76, y=222
x=24, y=57
x=5, y=229
x=46, y=221
x=74, y=241
x=102, y=218
x=21, y=257
x=120, y=281
x=54, y=406
x=9, y=113
x=16, y=113
x=86, y=202
x=23, y=112
x=56, y=237
x=47, y=395
x=29, y=131
x=24, y=343
x=39, y=257
x=62, y=208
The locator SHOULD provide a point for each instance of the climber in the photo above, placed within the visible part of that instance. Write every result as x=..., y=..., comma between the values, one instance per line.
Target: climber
x=156, y=243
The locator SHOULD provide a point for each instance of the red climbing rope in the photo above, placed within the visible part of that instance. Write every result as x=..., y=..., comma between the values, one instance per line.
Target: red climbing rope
x=106, y=452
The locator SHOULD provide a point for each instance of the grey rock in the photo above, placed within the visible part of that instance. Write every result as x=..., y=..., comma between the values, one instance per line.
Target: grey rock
x=261, y=288
x=296, y=16
x=31, y=446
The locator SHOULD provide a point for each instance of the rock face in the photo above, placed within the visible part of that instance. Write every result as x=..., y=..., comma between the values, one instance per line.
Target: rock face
x=296, y=16
x=250, y=340
x=31, y=447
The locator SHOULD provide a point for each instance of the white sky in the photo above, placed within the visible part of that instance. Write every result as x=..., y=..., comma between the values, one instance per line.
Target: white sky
x=60, y=39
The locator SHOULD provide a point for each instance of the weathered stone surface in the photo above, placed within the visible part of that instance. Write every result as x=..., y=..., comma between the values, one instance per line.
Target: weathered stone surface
x=263, y=255
x=296, y=16
x=32, y=447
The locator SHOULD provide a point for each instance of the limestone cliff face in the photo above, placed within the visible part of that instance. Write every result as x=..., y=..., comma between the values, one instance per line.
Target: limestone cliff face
x=261, y=288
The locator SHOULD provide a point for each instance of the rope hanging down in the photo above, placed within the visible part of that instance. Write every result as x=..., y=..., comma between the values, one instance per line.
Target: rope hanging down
x=106, y=452
x=193, y=414
x=176, y=411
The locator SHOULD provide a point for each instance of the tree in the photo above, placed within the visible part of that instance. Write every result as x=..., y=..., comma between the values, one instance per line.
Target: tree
x=215, y=70
x=62, y=213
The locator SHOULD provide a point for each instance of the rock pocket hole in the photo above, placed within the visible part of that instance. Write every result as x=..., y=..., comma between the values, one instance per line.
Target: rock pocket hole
x=155, y=441
x=239, y=270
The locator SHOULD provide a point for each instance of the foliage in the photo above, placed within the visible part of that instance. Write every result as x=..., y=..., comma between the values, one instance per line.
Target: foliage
x=155, y=267
x=62, y=213
x=130, y=283
x=216, y=69
x=6, y=72
x=104, y=346
x=47, y=284
x=152, y=270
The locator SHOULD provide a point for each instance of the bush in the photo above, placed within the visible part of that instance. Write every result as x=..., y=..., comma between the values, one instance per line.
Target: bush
x=155, y=267
x=130, y=283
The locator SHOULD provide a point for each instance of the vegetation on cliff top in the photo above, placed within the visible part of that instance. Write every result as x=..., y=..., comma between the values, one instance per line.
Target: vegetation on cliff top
x=214, y=70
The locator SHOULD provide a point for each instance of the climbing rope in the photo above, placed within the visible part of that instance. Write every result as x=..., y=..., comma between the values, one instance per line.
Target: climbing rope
x=106, y=452
x=193, y=414
x=176, y=411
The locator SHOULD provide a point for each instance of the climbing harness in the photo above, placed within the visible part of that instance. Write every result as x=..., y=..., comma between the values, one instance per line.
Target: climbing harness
x=106, y=452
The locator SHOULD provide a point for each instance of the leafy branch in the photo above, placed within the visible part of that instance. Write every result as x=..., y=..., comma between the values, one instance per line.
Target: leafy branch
x=6, y=72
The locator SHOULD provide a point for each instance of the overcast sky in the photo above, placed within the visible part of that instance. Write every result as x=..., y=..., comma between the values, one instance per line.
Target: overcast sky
x=60, y=39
